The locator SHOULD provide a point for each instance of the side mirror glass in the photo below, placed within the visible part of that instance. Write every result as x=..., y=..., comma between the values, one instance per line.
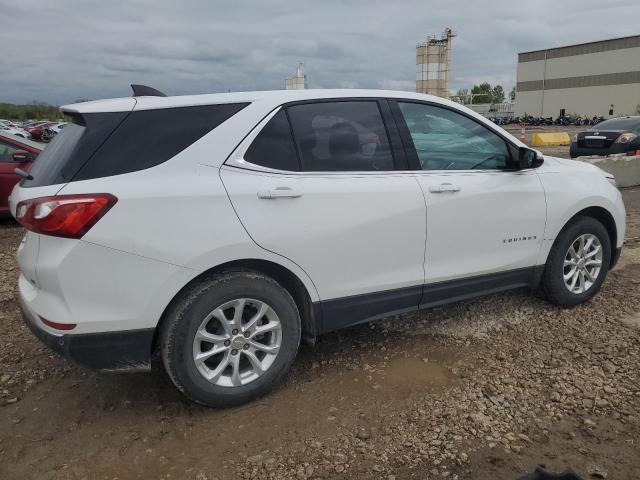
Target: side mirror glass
x=22, y=156
x=528, y=158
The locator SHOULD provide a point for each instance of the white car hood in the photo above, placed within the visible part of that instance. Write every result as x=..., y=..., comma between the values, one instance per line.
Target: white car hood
x=555, y=164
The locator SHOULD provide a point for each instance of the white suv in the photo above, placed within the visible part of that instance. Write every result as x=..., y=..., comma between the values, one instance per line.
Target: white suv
x=219, y=230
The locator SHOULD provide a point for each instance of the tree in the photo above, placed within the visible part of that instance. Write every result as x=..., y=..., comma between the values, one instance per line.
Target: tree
x=485, y=93
x=482, y=93
x=497, y=94
x=512, y=94
x=463, y=96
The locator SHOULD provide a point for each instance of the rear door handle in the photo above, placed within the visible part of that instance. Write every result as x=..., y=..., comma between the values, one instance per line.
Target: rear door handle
x=279, y=192
x=444, y=187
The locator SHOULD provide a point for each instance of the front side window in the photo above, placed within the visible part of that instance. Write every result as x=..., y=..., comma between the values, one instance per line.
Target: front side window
x=341, y=136
x=6, y=152
x=446, y=140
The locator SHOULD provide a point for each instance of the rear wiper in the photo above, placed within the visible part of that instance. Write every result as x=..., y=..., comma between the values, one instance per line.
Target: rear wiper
x=23, y=174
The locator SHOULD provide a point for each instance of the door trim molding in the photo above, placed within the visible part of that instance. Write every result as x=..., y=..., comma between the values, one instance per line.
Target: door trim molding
x=344, y=312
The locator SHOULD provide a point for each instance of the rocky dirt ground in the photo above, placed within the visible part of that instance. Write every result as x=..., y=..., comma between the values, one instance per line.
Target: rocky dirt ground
x=486, y=389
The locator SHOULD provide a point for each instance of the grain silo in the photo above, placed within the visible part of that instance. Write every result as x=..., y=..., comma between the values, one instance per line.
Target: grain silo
x=433, y=64
x=297, y=81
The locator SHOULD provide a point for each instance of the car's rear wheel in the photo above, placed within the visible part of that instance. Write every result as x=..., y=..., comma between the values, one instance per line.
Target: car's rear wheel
x=231, y=338
x=578, y=262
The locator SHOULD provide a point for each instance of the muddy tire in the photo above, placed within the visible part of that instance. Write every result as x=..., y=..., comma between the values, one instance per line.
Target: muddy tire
x=230, y=338
x=578, y=263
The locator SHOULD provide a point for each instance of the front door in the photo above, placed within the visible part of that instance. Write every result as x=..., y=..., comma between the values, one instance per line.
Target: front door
x=483, y=216
x=8, y=178
x=323, y=191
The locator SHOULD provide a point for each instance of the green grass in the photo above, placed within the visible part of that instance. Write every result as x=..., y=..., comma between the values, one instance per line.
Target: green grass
x=33, y=111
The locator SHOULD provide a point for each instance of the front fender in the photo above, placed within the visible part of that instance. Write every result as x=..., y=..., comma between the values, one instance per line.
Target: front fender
x=571, y=191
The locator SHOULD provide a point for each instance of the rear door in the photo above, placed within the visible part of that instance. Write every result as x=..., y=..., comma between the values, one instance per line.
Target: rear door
x=484, y=217
x=318, y=183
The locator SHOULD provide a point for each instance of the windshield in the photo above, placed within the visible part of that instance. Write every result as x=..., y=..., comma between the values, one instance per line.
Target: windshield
x=54, y=157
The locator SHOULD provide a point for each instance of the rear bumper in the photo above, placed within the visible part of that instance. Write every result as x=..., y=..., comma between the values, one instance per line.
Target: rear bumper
x=122, y=350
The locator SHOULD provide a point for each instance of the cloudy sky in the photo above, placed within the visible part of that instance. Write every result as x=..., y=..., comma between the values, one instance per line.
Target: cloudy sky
x=58, y=51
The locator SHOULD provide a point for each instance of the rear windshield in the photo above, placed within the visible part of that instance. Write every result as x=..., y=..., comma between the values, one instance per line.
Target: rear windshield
x=103, y=144
x=619, y=124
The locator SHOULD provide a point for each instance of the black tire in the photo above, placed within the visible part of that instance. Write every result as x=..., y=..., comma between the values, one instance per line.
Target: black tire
x=553, y=278
x=185, y=316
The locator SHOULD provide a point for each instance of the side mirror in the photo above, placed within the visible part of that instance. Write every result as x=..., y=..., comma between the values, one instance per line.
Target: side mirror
x=22, y=156
x=528, y=158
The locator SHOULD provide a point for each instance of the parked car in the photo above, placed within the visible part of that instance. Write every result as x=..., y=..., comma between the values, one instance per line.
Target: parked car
x=14, y=130
x=37, y=130
x=56, y=127
x=617, y=135
x=220, y=230
x=15, y=152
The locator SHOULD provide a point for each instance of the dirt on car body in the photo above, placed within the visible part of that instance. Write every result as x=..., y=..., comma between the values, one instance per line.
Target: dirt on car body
x=486, y=389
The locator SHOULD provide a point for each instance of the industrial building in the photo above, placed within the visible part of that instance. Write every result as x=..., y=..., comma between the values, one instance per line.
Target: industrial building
x=297, y=81
x=597, y=78
x=433, y=64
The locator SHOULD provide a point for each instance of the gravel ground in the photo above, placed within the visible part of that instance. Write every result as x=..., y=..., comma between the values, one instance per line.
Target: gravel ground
x=485, y=389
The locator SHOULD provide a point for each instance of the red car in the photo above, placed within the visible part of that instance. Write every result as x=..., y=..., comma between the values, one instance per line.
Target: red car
x=37, y=129
x=15, y=152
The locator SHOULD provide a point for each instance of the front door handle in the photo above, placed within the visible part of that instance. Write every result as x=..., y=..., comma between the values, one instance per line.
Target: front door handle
x=444, y=187
x=279, y=192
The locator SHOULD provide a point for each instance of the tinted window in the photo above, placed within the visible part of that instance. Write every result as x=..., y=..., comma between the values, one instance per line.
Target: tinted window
x=147, y=138
x=71, y=148
x=274, y=147
x=341, y=136
x=446, y=140
x=104, y=144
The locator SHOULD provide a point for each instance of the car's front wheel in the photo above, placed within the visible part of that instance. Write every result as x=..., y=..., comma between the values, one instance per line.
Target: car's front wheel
x=578, y=262
x=231, y=338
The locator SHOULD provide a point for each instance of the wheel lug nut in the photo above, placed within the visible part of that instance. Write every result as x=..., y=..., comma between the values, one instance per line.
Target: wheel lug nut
x=227, y=343
x=234, y=352
x=246, y=334
x=234, y=331
x=246, y=346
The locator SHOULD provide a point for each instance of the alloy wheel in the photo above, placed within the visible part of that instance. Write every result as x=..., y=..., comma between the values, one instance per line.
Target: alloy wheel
x=237, y=342
x=582, y=263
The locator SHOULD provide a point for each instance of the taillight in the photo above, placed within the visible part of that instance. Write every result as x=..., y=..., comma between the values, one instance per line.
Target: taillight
x=69, y=216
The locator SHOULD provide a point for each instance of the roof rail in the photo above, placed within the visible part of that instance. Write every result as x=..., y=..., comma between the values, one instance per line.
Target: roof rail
x=145, y=91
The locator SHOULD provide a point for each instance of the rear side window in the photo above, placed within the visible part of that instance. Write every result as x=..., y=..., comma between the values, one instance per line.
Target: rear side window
x=341, y=136
x=104, y=144
x=274, y=147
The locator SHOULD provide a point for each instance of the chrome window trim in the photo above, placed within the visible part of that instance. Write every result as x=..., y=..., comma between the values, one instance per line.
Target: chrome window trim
x=237, y=160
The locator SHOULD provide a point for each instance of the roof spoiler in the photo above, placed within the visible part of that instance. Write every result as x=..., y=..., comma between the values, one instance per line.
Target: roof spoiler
x=145, y=91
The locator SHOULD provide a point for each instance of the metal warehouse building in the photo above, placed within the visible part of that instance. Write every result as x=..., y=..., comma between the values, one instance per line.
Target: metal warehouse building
x=596, y=78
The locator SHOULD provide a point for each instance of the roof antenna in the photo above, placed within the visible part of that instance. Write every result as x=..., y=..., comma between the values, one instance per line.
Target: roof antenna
x=145, y=91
